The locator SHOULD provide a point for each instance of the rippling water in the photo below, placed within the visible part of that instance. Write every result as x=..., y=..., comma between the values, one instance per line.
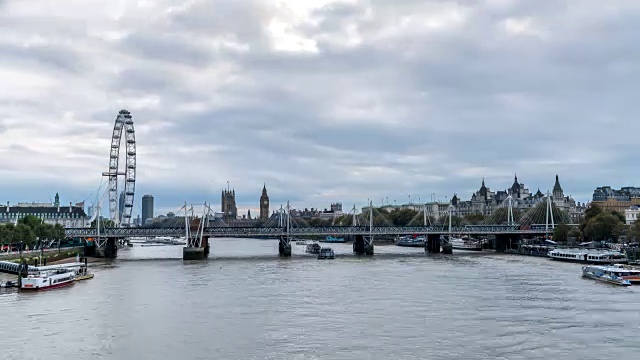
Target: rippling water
x=246, y=303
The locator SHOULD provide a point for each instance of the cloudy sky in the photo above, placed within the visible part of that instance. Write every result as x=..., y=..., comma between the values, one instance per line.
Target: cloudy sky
x=321, y=100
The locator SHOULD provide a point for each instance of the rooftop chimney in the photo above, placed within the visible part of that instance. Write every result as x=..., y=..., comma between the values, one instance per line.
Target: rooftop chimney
x=7, y=206
x=70, y=209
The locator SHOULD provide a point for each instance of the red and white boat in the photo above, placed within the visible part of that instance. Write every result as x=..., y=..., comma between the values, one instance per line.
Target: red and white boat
x=46, y=280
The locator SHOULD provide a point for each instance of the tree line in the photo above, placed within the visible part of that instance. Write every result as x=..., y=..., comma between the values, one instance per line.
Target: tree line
x=598, y=224
x=29, y=230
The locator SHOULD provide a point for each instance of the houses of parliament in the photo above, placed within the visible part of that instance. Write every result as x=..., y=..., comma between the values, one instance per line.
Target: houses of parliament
x=230, y=211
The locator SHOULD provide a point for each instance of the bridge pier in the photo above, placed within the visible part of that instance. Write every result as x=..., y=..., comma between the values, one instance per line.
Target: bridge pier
x=284, y=246
x=363, y=245
x=193, y=253
x=195, y=249
x=447, y=248
x=432, y=245
x=109, y=250
x=503, y=242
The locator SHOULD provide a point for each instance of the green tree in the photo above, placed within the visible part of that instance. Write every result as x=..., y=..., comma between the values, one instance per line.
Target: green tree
x=474, y=219
x=455, y=221
x=24, y=234
x=43, y=231
x=619, y=215
x=603, y=226
x=402, y=217
x=591, y=212
x=6, y=234
x=575, y=233
x=561, y=232
x=31, y=221
x=57, y=232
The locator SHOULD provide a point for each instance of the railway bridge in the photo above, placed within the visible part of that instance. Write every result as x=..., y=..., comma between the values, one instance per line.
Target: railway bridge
x=198, y=233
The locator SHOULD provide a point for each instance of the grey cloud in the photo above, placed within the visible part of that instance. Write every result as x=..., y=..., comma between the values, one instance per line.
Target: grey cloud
x=242, y=19
x=170, y=48
x=437, y=109
x=53, y=57
x=144, y=80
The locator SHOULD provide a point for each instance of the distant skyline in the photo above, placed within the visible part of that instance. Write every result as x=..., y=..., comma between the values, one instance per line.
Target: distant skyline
x=339, y=100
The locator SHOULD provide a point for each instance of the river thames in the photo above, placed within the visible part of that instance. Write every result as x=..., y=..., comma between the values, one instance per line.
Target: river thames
x=246, y=303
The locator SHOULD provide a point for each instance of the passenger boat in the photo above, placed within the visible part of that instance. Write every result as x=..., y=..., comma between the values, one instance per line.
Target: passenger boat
x=313, y=248
x=588, y=256
x=301, y=242
x=466, y=244
x=46, y=280
x=331, y=239
x=628, y=273
x=608, y=274
x=326, y=253
x=411, y=241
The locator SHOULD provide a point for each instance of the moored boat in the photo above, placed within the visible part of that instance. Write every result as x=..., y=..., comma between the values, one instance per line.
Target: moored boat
x=326, y=253
x=410, y=241
x=628, y=273
x=466, y=244
x=301, y=242
x=588, y=256
x=331, y=239
x=46, y=280
x=313, y=248
x=608, y=274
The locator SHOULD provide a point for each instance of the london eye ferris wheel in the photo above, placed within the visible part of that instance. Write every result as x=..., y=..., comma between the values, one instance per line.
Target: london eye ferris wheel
x=122, y=171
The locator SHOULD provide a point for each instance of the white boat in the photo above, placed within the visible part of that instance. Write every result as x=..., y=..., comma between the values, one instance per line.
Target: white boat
x=588, y=256
x=301, y=242
x=410, y=241
x=326, y=253
x=51, y=279
x=313, y=248
x=466, y=244
x=608, y=274
x=628, y=273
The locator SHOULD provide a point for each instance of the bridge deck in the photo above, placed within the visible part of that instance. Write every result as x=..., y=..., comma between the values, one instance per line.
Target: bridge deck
x=311, y=231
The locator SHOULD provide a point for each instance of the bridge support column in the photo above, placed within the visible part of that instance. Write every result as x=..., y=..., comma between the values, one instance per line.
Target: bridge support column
x=503, y=242
x=432, y=245
x=447, y=248
x=363, y=245
x=109, y=250
x=284, y=246
x=206, y=246
x=193, y=253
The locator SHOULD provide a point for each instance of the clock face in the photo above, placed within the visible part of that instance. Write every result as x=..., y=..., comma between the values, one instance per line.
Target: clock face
x=265, y=202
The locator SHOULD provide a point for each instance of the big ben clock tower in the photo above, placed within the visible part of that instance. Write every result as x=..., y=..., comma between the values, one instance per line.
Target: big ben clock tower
x=264, y=204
